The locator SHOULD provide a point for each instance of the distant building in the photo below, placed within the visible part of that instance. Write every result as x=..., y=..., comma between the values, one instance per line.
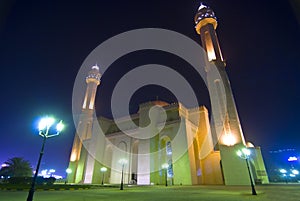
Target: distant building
x=183, y=145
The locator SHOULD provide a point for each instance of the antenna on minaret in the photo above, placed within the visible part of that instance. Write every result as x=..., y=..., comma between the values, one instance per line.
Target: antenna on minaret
x=201, y=6
x=95, y=66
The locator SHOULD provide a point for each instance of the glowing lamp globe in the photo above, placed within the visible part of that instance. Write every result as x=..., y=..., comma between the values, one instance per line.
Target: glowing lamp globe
x=69, y=171
x=103, y=169
x=46, y=123
x=295, y=172
x=123, y=161
x=59, y=126
x=244, y=153
x=283, y=171
x=165, y=166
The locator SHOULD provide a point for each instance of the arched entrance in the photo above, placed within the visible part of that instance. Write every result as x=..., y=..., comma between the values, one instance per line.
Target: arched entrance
x=166, y=158
x=134, y=162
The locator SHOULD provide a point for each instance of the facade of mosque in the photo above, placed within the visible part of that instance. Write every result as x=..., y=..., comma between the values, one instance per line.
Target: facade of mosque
x=168, y=143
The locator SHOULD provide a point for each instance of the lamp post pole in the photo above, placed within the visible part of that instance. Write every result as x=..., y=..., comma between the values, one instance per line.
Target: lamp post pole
x=122, y=161
x=251, y=180
x=31, y=190
x=103, y=170
x=102, y=179
x=165, y=167
x=68, y=171
x=166, y=176
x=121, y=188
x=284, y=172
x=244, y=154
x=44, y=127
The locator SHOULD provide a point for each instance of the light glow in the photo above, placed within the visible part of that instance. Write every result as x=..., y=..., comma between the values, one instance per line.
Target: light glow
x=68, y=170
x=44, y=172
x=244, y=153
x=46, y=123
x=84, y=102
x=202, y=6
x=91, y=106
x=295, y=172
x=4, y=165
x=95, y=67
x=283, y=171
x=292, y=158
x=209, y=47
x=60, y=126
x=73, y=156
x=51, y=170
x=123, y=161
x=165, y=166
x=239, y=153
x=103, y=169
x=229, y=139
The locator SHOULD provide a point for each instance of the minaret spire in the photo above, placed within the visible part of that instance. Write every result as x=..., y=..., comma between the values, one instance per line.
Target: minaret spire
x=206, y=24
x=201, y=6
x=84, y=127
x=229, y=132
x=92, y=80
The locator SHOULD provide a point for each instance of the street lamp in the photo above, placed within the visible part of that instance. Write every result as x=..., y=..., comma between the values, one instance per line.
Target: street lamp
x=165, y=166
x=68, y=171
x=122, y=161
x=44, y=127
x=295, y=172
x=103, y=170
x=244, y=154
x=283, y=172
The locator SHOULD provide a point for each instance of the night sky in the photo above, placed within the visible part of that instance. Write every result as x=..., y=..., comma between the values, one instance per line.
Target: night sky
x=44, y=43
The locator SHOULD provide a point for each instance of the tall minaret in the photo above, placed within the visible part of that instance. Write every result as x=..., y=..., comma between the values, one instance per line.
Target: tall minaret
x=92, y=80
x=230, y=137
x=79, y=154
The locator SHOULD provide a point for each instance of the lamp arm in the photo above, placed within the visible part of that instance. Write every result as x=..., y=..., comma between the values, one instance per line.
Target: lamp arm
x=48, y=136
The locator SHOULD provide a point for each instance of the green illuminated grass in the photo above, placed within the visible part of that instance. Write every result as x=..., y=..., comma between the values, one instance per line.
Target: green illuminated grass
x=157, y=193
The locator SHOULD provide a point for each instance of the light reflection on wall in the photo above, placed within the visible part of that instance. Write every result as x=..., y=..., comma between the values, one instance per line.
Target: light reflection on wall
x=209, y=47
x=228, y=139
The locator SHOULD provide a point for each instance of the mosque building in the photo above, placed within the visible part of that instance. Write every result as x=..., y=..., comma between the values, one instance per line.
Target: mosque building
x=180, y=146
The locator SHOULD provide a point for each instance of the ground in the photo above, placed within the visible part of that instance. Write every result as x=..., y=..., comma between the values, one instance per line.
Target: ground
x=170, y=193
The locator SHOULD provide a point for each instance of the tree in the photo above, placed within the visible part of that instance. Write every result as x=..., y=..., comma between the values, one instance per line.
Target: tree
x=16, y=167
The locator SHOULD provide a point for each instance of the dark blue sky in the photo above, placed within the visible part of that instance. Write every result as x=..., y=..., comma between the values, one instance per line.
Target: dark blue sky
x=43, y=44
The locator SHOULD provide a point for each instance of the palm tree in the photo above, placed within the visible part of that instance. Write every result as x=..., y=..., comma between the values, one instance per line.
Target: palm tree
x=16, y=167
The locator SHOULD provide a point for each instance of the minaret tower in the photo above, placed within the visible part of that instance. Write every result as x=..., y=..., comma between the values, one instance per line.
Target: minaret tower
x=92, y=80
x=231, y=137
x=84, y=128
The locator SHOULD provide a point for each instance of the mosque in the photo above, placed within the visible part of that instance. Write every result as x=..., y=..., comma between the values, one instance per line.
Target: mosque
x=180, y=147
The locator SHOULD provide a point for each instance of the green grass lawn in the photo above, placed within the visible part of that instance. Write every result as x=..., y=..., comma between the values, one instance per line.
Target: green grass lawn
x=170, y=193
x=42, y=187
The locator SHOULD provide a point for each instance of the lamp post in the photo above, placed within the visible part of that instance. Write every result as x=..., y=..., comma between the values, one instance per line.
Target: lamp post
x=244, y=154
x=103, y=170
x=295, y=172
x=165, y=166
x=122, y=162
x=68, y=171
x=44, y=127
x=283, y=171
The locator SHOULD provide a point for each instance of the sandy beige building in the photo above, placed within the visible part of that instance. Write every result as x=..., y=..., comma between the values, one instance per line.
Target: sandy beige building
x=181, y=145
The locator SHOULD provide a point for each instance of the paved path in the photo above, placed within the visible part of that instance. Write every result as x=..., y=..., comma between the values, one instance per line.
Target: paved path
x=160, y=193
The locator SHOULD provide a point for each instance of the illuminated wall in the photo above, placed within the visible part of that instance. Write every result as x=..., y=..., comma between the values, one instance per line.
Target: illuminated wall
x=185, y=160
